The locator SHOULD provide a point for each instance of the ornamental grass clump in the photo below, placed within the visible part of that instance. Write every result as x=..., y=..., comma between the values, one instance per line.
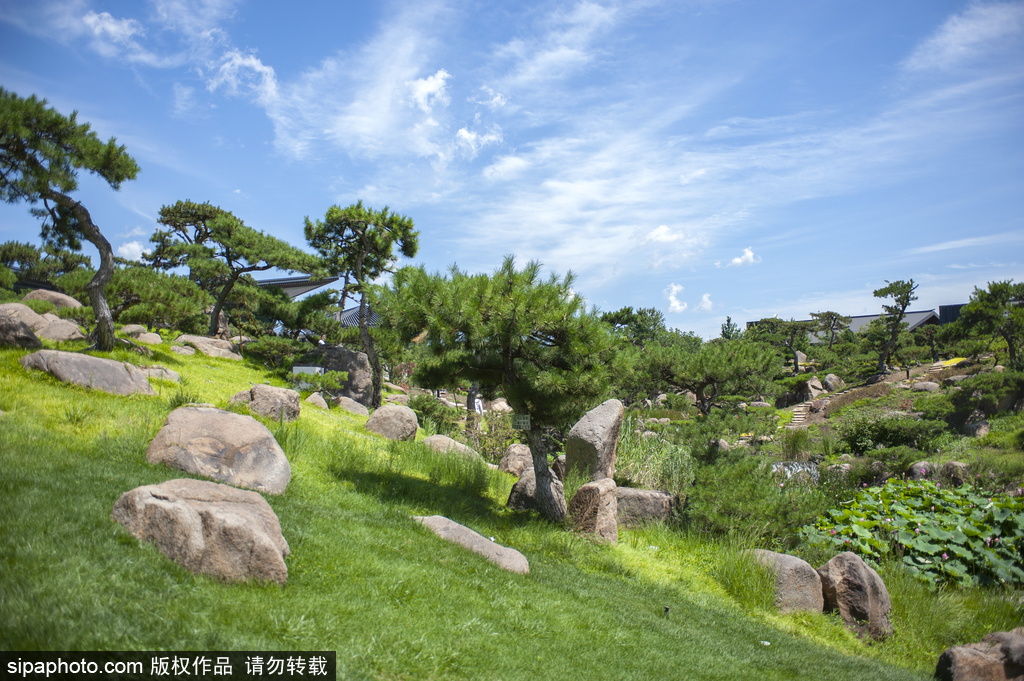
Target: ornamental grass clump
x=941, y=534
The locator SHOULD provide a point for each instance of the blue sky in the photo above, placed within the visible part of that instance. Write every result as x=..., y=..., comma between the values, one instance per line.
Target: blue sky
x=705, y=158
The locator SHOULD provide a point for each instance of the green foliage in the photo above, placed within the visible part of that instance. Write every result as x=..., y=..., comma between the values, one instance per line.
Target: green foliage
x=943, y=534
x=39, y=306
x=998, y=311
x=445, y=419
x=743, y=496
x=44, y=264
x=720, y=368
x=863, y=432
x=7, y=277
x=796, y=444
x=890, y=325
x=329, y=381
x=637, y=328
x=743, y=577
x=791, y=335
x=730, y=330
x=651, y=462
x=830, y=325
x=989, y=393
x=277, y=352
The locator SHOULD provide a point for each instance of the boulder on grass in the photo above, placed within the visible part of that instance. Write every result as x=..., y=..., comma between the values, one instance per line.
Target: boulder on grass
x=16, y=333
x=163, y=373
x=832, y=383
x=150, y=338
x=183, y=350
x=523, y=496
x=590, y=447
x=133, y=330
x=108, y=375
x=851, y=587
x=394, y=422
x=208, y=528
x=359, y=385
x=58, y=299
x=503, y=557
x=516, y=460
x=925, y=387
x=641, y=506
x=61, y=330
x=233, y=448
x=956, y=472
x=1000, y=655
x=797, y=584
x=594, y=510
x=279, y=404
x=211, y=347
x=443, y=443
x=317, y=400
x=351, y=406
x=23, y=313
x=979, y=429
x=397, y=399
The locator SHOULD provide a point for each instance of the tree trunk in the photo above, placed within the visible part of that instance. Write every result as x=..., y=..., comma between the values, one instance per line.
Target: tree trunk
x=105, y=339
x=219, y=305
x=472, y=418
x=796, y=359
x=551, y=503
x=371, y=355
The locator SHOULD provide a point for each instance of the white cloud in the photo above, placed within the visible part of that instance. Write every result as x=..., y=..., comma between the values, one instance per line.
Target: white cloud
x=505, y=167
x=662, y=234
x=132, y=250
x=748, y=258
x=705, y=304
x=992, y=240
x=981, y=28
x=672, y=293
x=430, y=91
x=494, y=99
x=135, y=231
x=184, y=100
x=471, y=142
x=238, y=71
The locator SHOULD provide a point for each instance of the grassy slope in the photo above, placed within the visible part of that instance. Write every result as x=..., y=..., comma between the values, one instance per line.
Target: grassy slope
x=364, y=579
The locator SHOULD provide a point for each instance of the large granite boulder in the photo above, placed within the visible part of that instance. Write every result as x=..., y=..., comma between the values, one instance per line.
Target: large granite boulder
x=503, y=557
x=351, y=406
x=443, y=443
x=394, y=422
x=23, y=313
x=359, y=385
x=812, y=389
x=851, y=587
x=150, y=338
x=233, y=448
x=317, y=400
x=278, y=404
x=832, y=383
x=523, y=496
x=208, y=528
x=61, y=330
x=211, y=347
x=999, y=657
x=594, y=510
x=108, y=375
x=58, y=299
x=516, y=460
x=16, y=333
x=162, y=373
x=590, y=447
x=641, y=506
x=797, y=584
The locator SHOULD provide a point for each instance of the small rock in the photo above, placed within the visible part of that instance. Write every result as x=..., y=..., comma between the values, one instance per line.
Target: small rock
x=832, y=383
x=443, y=443
x=395, y=388
x=955, y=472
x=558, y=467
x=594, y=509
x=278, y=404
x=503, y=557
x=637, y=507
x=397, y=399
x=108, y=375
x=211, y=347
x=855, y=590
x=351, y=406
x=516, y=460
x=920, y=470
x=152, y=339
x=999, y=656
x=58, y=299
x=317, y=400
x=925, y=387
x=18, y=334
x=980, y=429
x=61, y=330
x=394, y=422
x=163, y=373
x=183, y=350
x=133, y=330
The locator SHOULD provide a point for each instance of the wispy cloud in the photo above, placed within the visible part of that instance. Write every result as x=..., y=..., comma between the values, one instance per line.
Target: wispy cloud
x=748, y=258
x=956, y=244
x=705, y=304
x=980, y=29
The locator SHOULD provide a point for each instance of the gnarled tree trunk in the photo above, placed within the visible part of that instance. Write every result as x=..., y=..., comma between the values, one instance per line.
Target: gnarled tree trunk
x=551, y=503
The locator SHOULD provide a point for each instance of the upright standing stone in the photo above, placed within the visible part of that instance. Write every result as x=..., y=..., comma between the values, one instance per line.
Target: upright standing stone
x=359, y=385
x=594, y=509
x=797, y=584
x=852, y=588
x=590, y=447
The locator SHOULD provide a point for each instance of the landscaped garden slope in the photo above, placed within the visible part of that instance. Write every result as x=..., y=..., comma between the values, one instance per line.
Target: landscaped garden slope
x=364, y=578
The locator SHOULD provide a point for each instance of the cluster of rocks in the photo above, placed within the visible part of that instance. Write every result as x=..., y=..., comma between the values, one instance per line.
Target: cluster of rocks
x=21, y=327
x=811, y=390
x=846, y=585
x=998, y=657
x=186, y=344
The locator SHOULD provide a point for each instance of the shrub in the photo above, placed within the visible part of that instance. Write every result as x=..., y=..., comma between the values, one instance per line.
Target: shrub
x=83, y=316
x=652, y=463
x=277, y=352
x=863, y=432
x=445, y=418
x=989, y=392
x=941, y=533
x=796, y=444
x=329, y=381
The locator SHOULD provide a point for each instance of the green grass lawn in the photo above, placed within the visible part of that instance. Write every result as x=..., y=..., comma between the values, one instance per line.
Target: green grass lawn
x=364, y=579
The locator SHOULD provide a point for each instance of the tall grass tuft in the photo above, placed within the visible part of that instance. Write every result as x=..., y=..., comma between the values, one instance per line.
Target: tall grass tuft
x=749, y=582
x=652, y=462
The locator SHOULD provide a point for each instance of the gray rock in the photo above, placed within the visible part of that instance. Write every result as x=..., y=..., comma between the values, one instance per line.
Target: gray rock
x=832, y=383
x=183, y=350
x=50, y=317
x=855, y=590
x=394, y=422
x=921, y=470
x=23, y=313
x=523, y=496
x=818, y=406
x=58, y=299
x=590, y=447
x=208, y=528
x=233, y=448
x=163, y=373
x=151, y=339
x=211, y=347
x=838, y=470
x=953, y=380
x=359, y=385
x=395, y=388
x=797, y=584
x=723, y=445
x=956, y=472
x=108, y=375
x=317, y=400
x=999, y=368
x=397, y=399
x=503, y=557
x=351, y=406
x=133, y=330
x=443, y=443
x=980, y=429
x=801, y=357
x=594, y=510
x=61, y=330
x=279, y=404
x=16, y=333
x=516, y=460
x=999, y=656
x=558, y=467
x=814, y=387
x=641, y=506
x=499, y=405
x=759, y=403
x=925, y=387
